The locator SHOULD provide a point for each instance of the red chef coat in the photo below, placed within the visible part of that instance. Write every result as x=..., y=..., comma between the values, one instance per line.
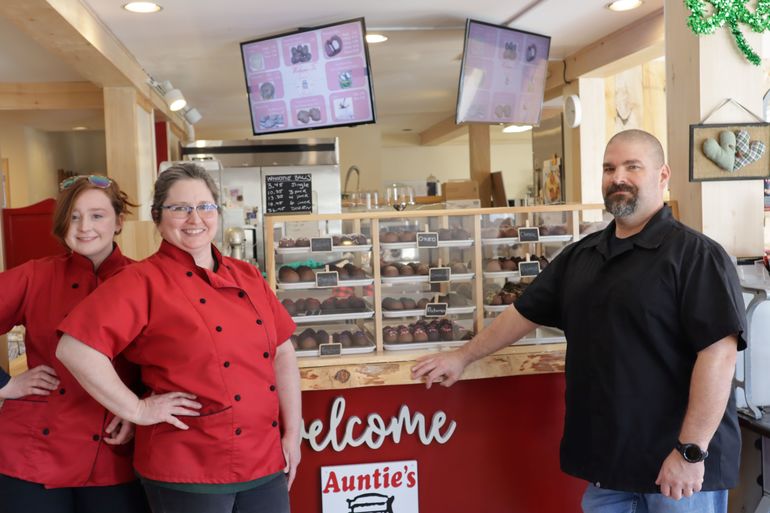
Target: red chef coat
x=212, y=334
x=56, y=440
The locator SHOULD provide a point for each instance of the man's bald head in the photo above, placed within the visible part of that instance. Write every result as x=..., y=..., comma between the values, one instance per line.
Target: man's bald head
x=651, y=143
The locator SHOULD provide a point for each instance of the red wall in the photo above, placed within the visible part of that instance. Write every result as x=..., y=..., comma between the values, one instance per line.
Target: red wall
x=503, y=456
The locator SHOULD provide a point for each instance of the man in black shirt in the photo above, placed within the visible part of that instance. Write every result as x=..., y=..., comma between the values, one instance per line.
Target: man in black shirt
x=653, y=316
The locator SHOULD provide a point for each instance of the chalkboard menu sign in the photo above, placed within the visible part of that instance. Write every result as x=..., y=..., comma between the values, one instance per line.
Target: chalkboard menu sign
x=529, y=234
x=529, y=268
x=435, y=309
x=439, y=274
x=287, y=194
x=326, y=279
x=320, y=244
x=427, y=239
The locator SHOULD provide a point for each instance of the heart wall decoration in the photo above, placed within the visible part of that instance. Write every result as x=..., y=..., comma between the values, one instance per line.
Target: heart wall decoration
x=735, y=151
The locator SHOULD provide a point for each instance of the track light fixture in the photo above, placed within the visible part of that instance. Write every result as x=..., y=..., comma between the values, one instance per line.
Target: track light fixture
x=175, y=100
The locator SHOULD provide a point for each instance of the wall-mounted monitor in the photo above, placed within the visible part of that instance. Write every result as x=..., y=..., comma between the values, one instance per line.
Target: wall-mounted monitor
x=502, y=78
x=309, y=79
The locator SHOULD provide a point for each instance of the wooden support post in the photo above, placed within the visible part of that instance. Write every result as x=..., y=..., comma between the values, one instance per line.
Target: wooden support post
x=481, y=161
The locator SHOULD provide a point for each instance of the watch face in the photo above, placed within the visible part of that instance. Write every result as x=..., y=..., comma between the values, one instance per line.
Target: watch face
x=692, y=453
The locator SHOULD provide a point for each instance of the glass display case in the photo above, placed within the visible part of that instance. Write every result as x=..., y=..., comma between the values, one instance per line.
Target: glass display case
x=382, y=283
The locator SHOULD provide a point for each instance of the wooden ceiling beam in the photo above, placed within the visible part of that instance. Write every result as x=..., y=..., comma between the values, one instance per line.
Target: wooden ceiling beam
x=69, y=29
x=640, y=41
x=50, y=96
x=441, y=132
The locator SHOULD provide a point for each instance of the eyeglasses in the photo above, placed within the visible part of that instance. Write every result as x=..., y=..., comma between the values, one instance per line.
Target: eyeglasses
x=99, y=181
x=205, y=210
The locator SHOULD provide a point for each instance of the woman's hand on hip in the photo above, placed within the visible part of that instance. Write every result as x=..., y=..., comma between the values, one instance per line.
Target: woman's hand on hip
x=120, y=430
x=165, y=408
x=40, y=380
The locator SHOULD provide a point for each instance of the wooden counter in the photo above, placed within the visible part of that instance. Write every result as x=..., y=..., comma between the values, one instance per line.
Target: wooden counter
x=393, y=368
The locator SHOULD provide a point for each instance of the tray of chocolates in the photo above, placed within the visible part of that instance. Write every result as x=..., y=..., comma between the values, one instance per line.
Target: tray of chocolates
x=393, y=308
x=497, y=302
x=312, y=310
x=303, y=277
x=508, y=267
x=416, y=272
x=508, y=233
x=425, y=335
x=447, y=238
x=353, y=339
x=351, y=242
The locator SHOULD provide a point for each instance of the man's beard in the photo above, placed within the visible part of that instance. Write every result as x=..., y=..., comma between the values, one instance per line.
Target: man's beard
x=621, y=206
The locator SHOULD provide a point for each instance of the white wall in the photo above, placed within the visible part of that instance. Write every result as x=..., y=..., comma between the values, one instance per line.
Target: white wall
x=450, y=161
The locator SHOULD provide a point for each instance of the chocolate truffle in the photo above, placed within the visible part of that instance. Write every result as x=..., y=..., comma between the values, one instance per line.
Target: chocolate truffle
x=493, y=266
x=286, y=243
x=423, y=302
x=390, y=303
x=305, y=273
x=388, y=237
x=390, y=270
x=389, y=334
x=409, y=303
x=302, y=242
x=290, y=307
x=288, y=275
x=312, y=305
x=408, y=236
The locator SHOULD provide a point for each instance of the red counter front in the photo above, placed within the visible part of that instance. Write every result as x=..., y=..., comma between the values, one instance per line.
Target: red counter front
x=502, y=458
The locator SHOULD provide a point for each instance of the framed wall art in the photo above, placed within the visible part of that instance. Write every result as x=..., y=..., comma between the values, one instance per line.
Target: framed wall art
x=735, y=151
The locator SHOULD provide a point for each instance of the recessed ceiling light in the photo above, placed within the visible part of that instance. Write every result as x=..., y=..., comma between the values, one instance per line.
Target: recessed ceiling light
x=80, y=128
x=515, y=129
x=623, y=5
x=376, y=38
x=142, y=7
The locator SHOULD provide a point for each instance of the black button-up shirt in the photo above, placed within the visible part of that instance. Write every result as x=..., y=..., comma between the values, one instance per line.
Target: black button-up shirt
x=635, y=320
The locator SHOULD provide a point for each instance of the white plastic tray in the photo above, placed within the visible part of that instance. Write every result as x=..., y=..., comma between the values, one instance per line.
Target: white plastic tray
x=335, y=249
x=424, y=278
x=462, y=243
x=495, y=308
x=501, y=274
x=515, y=240
x=307, y=319
x=345, y=350
x=542, y=335
x=306, y=285
x=412, y=346
x=395, y=314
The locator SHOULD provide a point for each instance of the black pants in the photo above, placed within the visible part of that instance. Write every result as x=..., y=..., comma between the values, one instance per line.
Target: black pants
x=18, y=496
x=270, y=497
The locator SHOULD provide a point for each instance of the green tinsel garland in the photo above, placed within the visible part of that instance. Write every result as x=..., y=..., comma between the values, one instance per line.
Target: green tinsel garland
x=731, y=12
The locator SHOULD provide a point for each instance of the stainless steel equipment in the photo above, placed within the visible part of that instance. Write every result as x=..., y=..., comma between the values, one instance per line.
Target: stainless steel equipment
x=246, y=163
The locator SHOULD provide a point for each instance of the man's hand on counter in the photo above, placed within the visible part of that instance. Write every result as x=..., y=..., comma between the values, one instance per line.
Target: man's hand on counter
x=444, y=368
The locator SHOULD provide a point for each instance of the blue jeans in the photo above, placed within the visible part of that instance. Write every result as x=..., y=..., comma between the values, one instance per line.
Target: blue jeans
x=599, y=500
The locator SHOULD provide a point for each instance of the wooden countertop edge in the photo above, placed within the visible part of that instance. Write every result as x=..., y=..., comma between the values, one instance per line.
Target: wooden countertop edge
x=394, y=368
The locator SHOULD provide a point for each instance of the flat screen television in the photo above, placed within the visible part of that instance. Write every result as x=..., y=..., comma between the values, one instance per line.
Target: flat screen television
x=308, y=79
x=502, y=78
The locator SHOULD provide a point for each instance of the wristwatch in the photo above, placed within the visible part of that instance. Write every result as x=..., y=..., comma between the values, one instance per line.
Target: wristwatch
x=691, y=452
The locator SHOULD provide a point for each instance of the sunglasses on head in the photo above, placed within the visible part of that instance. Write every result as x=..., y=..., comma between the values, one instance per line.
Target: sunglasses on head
x=99, y=181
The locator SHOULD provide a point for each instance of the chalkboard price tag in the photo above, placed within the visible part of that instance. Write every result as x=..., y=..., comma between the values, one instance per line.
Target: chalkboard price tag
x=529, y=268
x=330, y=349
x=439, y=274
x=287, y=194
x=435, y=309
x=529, y=234
x=327, y=279
x=320, y=244
x=427, y=240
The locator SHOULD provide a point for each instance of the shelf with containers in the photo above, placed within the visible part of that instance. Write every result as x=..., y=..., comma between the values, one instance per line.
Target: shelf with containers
x=409, y=283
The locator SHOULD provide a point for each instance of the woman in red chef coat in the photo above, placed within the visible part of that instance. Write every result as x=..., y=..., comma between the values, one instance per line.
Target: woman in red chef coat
x=219, y=429
x=61, y=451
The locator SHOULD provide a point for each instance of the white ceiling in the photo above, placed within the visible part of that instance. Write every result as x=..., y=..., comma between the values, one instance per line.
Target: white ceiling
x=195, y=45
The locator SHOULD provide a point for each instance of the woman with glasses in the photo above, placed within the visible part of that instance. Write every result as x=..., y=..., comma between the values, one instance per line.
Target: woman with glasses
x=219, y=429
x=61, y=451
